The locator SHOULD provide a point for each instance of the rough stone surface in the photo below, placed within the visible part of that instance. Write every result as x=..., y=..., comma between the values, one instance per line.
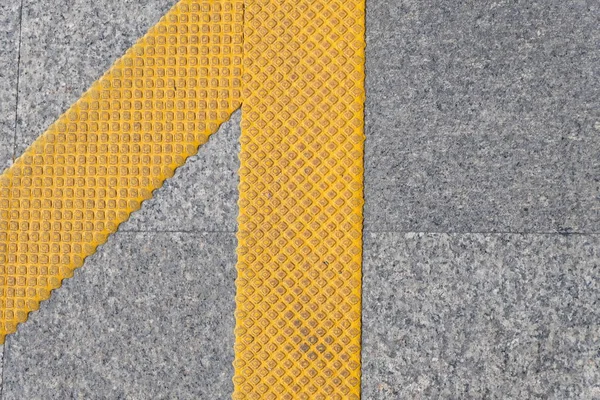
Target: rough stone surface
x=473, y=316
x=483, y=116
x=148, y=316
x=9, y=59
x=65, y=48
x=203, y=194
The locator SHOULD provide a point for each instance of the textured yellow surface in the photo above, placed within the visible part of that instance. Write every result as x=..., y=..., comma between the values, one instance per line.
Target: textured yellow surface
x=301, y=178
x=126, y=135
x=301, y=200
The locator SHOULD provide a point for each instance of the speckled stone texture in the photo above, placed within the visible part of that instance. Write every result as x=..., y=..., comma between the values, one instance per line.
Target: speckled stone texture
x=150, y=316
x=203, y=194
x=9, y=55
x=483, y=116
x=473, y=316
x=66, y=46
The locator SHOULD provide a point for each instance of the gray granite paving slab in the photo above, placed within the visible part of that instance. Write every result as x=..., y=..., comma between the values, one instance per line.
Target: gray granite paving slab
x=480, y=117
x=475, y=316
x=9, y=57
x=483, y=116
x=150, y=316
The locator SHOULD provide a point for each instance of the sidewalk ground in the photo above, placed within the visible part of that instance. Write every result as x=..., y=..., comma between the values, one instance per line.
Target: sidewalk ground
x=482, y=216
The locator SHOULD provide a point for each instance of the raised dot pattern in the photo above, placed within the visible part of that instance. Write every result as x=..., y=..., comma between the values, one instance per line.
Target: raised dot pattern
x=301, y=201
x=103, y=157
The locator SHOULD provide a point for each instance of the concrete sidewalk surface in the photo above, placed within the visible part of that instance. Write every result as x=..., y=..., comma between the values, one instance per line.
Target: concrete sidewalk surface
x=482, y=216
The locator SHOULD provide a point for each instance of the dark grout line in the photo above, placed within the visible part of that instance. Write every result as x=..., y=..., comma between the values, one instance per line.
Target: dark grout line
x=2, y=383
x=14, y=155
x=549, y=233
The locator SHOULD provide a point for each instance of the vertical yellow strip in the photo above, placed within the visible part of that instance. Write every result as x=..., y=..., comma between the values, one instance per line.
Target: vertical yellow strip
x=301, y=199
x=111, y=149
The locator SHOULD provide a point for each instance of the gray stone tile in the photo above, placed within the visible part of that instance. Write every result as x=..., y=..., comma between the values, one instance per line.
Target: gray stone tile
x=151, y=315
x=66, y=46
x=203, y=194
x=483, y=116
x=9, y=56
x=460, y=316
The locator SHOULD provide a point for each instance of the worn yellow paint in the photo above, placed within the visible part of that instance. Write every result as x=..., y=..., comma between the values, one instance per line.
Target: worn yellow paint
x=298, y=66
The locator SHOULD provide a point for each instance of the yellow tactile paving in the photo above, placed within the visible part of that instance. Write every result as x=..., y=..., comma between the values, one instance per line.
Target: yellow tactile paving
x=300, y=224
x=126, y=135
x=301, y=200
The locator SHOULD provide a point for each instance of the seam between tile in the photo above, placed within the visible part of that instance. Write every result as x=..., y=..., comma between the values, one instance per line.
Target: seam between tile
x=540, y=233
x=14, y=155
x=3, y=366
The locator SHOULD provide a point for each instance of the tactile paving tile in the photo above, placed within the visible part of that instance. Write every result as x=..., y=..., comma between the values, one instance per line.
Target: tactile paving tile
x=301, y=178
x=301, y=200
x=111, y=149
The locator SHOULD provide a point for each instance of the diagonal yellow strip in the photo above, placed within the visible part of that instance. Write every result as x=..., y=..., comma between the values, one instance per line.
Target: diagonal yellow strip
x=301, y=201
x=128, y=133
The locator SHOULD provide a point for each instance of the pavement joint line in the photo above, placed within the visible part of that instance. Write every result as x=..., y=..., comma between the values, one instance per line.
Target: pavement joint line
x=201, y=231
x=192, y=232
x=14, y=152
x=3, y=369
x=485, y=233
